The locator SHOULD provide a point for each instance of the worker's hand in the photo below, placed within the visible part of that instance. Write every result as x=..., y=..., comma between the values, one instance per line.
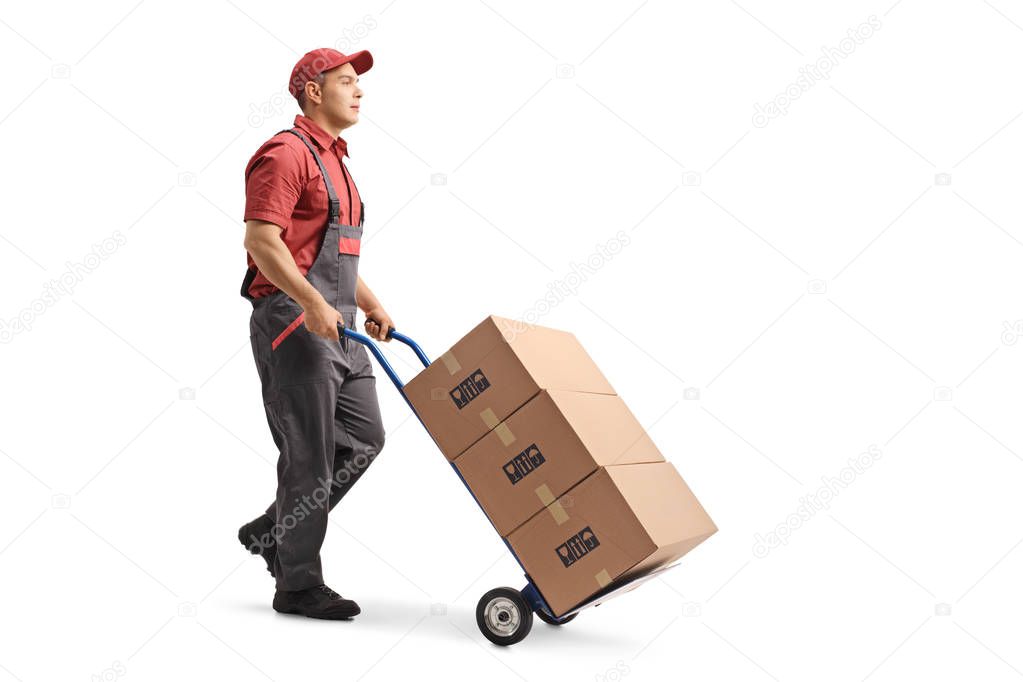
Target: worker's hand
x=378, y=324
x=322, y=319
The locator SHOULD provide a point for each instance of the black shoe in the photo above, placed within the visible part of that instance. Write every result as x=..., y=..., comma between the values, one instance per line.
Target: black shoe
x=316, y=602
x=255, y=536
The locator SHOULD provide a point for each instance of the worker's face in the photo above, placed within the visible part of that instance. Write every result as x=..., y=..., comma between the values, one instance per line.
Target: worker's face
x=340, y=96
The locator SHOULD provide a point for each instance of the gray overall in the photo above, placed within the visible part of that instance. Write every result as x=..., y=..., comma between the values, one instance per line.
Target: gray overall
x=320, y=400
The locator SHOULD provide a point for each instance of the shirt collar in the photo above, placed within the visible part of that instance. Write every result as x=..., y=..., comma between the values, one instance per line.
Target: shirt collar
x=320, y=136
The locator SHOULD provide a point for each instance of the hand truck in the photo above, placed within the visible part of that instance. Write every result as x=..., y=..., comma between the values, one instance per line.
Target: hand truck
x=504, y=615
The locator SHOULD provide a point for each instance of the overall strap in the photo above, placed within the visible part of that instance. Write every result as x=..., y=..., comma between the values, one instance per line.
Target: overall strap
x=335, y=204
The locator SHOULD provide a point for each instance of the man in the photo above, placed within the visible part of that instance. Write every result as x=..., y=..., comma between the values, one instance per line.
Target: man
x=303, y=225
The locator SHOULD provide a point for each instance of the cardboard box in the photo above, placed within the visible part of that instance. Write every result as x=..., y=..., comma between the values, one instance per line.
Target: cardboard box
x=490, y=373
x=619, y=522
x=545, y=447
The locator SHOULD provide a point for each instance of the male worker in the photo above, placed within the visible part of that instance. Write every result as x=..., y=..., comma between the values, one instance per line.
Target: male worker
x=303, y=224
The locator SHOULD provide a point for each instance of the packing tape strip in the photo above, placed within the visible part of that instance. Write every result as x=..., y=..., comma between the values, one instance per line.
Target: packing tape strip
x=489, y=418
x=558, y=512
x=545, y=494
x=450, y=362
x=603, y=578
x=504, y=433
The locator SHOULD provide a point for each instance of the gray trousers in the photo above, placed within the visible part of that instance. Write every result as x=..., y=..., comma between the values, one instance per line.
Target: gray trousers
x=321, y=405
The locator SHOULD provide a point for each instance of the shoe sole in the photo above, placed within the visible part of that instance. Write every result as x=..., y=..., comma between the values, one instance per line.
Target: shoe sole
x=331, y=616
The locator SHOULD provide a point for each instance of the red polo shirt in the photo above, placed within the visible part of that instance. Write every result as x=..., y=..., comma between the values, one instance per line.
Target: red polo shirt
x=283, y=186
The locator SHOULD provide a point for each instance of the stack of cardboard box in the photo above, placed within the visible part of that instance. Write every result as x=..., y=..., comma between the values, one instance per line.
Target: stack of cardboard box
x=556, y=459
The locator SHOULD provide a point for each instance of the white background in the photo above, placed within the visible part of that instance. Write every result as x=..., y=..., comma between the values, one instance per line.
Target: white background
x=817, y=284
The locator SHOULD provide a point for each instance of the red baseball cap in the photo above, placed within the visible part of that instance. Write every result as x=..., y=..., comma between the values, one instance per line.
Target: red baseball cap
x=312, y=64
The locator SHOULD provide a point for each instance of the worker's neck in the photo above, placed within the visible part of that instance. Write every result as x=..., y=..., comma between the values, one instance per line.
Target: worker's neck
x=332, y=129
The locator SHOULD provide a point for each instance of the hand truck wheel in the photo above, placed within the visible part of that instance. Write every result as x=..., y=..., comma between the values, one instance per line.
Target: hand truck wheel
x=503, y=616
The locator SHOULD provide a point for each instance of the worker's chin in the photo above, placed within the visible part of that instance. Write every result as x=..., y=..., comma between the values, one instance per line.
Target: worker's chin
x=346, y=119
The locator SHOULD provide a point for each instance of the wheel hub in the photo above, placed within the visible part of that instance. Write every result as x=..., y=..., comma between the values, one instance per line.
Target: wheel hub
x=501, y=615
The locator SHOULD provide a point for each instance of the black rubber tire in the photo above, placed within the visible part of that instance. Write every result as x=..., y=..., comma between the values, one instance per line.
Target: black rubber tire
x=550, y=621
x=503, y=616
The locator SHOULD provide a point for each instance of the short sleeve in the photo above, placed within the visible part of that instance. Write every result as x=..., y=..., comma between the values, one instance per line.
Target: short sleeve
x=273, y=184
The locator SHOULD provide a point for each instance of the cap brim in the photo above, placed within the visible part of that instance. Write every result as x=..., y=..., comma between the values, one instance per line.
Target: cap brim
x=361, y=61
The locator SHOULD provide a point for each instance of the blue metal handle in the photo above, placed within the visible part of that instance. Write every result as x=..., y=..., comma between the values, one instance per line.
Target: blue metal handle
x=369, y=343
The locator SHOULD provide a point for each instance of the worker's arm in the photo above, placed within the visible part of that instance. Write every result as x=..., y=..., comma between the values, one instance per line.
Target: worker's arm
x=378, y=322
x=272, y=257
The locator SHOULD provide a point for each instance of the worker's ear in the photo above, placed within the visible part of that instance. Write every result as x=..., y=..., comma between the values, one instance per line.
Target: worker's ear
x=313, y=92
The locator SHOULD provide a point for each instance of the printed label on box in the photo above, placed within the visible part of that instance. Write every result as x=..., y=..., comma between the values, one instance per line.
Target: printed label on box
x=577, y=546
x=465, y=392
x=523, y=464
